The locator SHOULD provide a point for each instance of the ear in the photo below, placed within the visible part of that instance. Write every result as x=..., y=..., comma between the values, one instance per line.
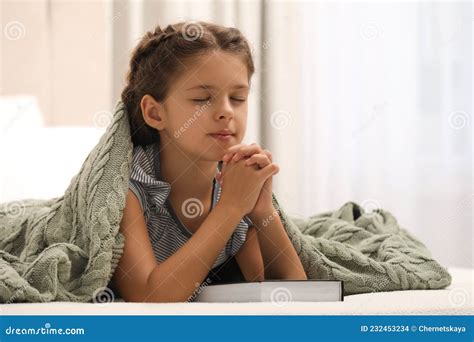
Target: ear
x=152, y=112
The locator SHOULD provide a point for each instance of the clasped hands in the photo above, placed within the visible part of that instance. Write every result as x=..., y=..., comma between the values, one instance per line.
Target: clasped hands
x=250, y=155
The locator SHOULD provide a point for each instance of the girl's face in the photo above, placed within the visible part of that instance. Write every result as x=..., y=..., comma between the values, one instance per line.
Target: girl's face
x=210, y=96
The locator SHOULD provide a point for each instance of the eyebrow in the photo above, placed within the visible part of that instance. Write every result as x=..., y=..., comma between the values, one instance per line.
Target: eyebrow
x=205, y=86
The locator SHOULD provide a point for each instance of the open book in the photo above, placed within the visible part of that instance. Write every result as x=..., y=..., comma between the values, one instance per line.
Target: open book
x=277, y=291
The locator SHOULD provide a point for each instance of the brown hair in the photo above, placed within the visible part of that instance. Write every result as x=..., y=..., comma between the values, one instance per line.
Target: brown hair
x=159, y=57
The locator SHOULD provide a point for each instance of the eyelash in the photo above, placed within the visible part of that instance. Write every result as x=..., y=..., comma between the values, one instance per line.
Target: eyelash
x=203, y=100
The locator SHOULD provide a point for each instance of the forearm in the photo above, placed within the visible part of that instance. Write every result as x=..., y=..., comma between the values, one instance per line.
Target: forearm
x=279, y=255
x=175, y=279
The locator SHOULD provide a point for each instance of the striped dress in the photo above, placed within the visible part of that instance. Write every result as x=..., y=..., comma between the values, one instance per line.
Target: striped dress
x=167, y=233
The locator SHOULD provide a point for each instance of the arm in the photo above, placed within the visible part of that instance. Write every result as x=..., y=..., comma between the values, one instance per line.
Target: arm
x=249, y=257
x=279, y=255
x=140, y=278
x=280, y=258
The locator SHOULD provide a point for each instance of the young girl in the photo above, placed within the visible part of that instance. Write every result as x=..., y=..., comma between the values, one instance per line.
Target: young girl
x=199, y=203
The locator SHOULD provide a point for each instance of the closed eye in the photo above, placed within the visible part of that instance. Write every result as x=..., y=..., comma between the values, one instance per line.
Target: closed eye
x=232, y=98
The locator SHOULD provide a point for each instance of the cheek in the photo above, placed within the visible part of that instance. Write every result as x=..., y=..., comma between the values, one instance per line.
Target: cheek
x=189, y=131
x=241, y=123
x=187, y=122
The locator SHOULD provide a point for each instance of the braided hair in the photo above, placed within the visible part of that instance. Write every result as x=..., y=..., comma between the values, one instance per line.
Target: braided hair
x=159, y=58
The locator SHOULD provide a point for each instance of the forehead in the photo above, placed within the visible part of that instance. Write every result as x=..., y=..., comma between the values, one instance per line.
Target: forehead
x=217, y=68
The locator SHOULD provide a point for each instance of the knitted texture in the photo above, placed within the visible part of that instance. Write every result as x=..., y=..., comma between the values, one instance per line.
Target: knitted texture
x=369, y=251
x=67, y=248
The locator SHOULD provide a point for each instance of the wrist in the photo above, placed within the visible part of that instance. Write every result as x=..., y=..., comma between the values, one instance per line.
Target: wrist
x=230, y=209
x=259, y=218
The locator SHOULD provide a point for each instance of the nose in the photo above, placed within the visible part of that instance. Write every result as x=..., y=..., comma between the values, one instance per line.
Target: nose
x=224, y=109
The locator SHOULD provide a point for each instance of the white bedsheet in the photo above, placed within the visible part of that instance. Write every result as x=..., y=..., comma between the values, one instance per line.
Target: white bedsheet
x=457, y=299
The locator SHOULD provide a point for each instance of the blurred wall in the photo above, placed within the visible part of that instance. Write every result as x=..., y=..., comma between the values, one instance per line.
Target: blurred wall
x=60, y=52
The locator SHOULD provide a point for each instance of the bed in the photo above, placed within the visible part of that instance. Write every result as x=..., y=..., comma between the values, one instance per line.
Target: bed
x=456, y=299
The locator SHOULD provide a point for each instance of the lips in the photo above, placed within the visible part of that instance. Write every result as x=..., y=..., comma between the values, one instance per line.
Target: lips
x=224, y=137
x=221, y=135
x=223, y=132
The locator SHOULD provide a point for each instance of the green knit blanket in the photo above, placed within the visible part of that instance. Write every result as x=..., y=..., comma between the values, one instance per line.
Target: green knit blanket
x=67, y=248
